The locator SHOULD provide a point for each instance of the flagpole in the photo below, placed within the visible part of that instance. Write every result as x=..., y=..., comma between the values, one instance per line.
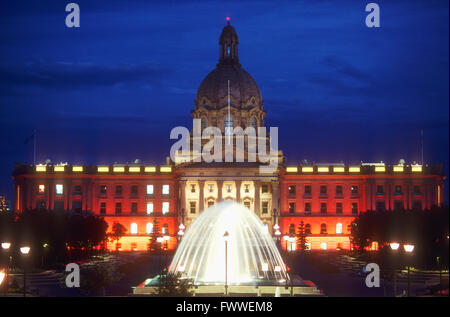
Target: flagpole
x=34, y=147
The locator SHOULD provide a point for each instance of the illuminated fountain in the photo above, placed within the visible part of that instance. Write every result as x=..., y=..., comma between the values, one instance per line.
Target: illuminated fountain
x=252, y=257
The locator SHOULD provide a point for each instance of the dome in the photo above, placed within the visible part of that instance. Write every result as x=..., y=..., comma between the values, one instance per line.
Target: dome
x=213, y=91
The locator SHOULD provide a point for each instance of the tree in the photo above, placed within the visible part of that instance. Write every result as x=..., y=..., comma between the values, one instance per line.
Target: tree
x=154, y=245
x=301, y=237
x=98, y=277
x=171, y=285
x=117, y=232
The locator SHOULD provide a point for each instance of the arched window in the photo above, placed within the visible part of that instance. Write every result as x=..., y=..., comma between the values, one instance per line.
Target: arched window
x=134, y=228
x=204, y=123
x=253, y=122
x=323, y=228
x=149, y=228
x=228, y=50
x=339, y=228
x=307, y=228
x=291, y=229
x=323, y=245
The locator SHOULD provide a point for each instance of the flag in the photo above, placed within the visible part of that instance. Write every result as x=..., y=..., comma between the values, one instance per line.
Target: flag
x=30, y=138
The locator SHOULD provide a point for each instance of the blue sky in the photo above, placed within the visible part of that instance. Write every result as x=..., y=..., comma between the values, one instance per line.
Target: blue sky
x=111, y=90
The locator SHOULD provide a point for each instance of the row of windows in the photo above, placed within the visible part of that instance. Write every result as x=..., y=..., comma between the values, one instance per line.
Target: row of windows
x=59, y=188
x=229, y=188
x=264, y=206
x=148, y=228
x=354, y=190
x=323, y=228
x=134, y=207
x=323, y=208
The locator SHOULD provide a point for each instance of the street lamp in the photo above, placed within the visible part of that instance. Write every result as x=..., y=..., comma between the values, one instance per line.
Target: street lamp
x=226, y=236
x=409, y=248
x=394, y=247
x=25, y=250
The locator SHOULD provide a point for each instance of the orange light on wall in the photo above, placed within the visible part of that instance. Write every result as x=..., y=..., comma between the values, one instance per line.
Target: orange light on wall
x=118, y=169
x=354, y=169
x=150, y=169
x=292, y=169
x=41, y=168
x=134, y=169
x=165, y=169
x=77, y=168
x=103, y=169
x=339, y=169
x=59, y=168
x=307, y=169
x=323, y=169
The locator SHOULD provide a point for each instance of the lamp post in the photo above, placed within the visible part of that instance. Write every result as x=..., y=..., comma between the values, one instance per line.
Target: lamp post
x=394, y=247
x=225, y=239
x=25, y=251
x=409, y=248
x=6, y=247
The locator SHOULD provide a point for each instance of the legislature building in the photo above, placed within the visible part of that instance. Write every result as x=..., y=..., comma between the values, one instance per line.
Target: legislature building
x=325, y=197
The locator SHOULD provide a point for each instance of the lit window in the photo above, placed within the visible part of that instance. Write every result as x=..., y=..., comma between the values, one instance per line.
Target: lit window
x=149, y=208
x=354, y=189
x=308, y=246
x=134, y=228
x=192, y=188
x=59, y=189
x=228, y=50
x=42, y=188
x=291, y=189
x=165, y=207
x=165, y=228
x=247, y=189
x=149, y=189
x=339, y=228
x=149, y=227
x=165, y=189
x=323, y=246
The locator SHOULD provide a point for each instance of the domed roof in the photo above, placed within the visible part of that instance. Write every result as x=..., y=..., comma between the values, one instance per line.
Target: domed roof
x=213, y=91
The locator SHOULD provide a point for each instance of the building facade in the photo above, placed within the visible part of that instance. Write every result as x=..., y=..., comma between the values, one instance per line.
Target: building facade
x=325, y=197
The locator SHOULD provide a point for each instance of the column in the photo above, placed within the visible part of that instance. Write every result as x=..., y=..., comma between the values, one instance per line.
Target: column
x=257, y=191
x=201, y=202
x=182, y=209
x=275, y=200
x=219, y=190
x=238, y=191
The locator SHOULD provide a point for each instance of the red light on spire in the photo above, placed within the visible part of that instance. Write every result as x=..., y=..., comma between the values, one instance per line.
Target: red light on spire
x=228, y=19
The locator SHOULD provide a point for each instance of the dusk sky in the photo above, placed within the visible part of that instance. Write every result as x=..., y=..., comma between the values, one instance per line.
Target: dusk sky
x=111, y=90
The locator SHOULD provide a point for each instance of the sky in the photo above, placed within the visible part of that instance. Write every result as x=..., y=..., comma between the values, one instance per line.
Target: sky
x=111, y=90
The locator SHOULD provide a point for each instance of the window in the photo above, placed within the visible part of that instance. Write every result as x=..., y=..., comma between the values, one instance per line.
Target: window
x=165, y=207
x=247, y=204
x=149, y=228
x=291, y=208
x=265, y=207
x=291, y=189
x=165, y=229
x=398, y=189
x=76, y=205
x=118, y=208
x=192, y=188
x=134, y=208
x=59, y=205
x=339, y=228
x=264, y=188
x=228, y=188
x=354, y=189
x=307, y=228
x=211, y=188
x=417, y=205
x=323, y=245
x=338, y=190
x=323, y=208
x=165, y=189
x=59, y=189
x=339, y=208
x=228, y=50
x=41, y=189
x=103, y=208
x=119, y=190
x=308, y=208
x=308, y=190
x=246, y=188
x=211, y=202
x=134, y=190
x=416, y=189
x=134, y=228
x=354, y=208
x=323, y=190
x=291, y=229
x=323, y=228
x=398, y=205
x=380, y=206
x=380, y=189
x=149, y=208
x=253, y=122
x=149, y=189
x=40, y=205
x=77, y=189
x=192, y=207
x=204, y=123
x=102, y=189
